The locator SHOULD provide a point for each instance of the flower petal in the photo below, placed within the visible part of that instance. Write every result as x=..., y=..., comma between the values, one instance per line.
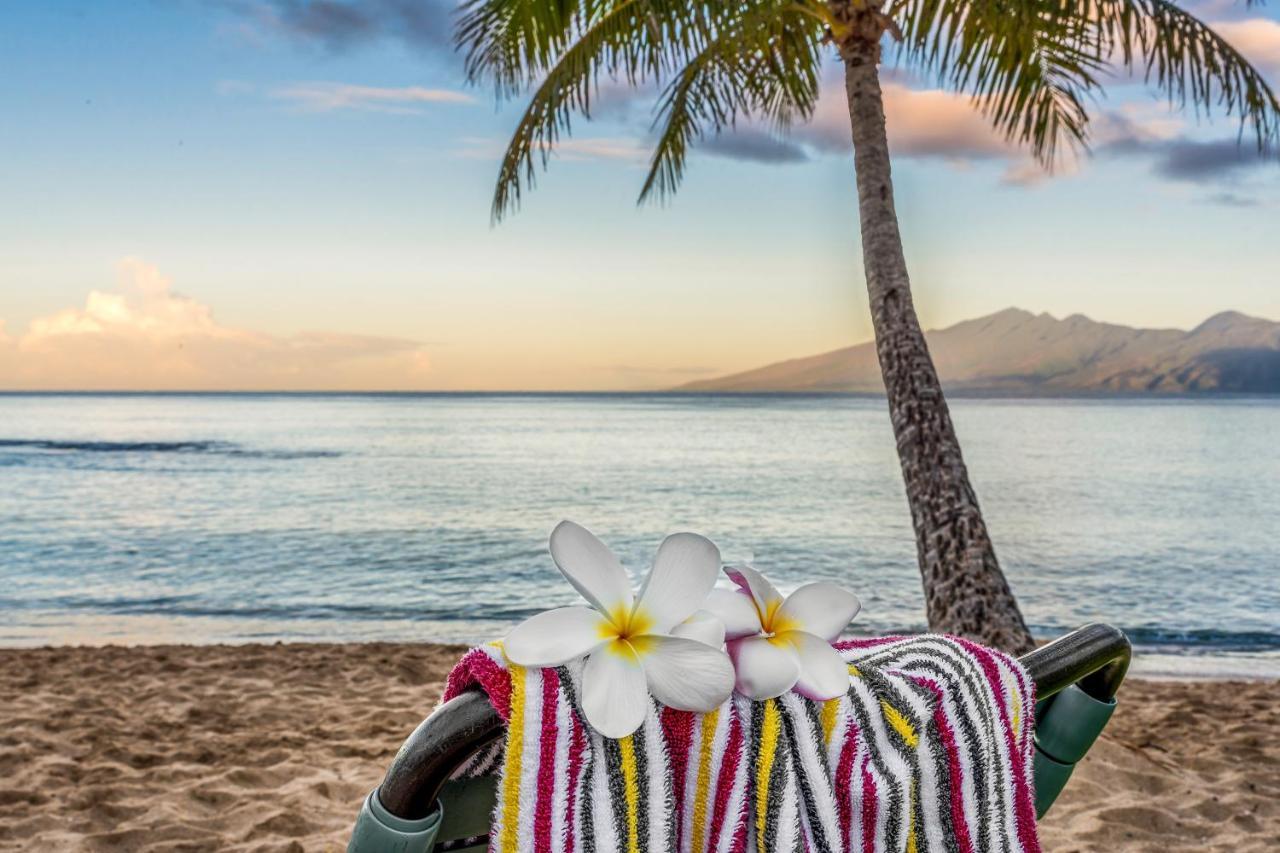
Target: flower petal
x=736, y=610
x=592, y=569
x=822, y=609
x=685, y=674
x=823, y=673
x=555, y=636
x=763, y=593
x=703, y=626
x=764, y=668
x=683, y=572
x=614, y=697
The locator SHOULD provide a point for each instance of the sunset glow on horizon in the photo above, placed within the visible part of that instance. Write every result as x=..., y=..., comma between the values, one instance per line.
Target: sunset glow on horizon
x=214, y=196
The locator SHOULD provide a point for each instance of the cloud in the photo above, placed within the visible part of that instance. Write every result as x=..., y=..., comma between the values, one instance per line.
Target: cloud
x=924, y=124
x=1135, y=125
x=143, y=336
x=934, y=124
x=1198, y=161
x=339, y=25
x=328, y=97
x=1218, y=164
x=602, y=148
x=572, y=149
x=1230, y=199
x=1178, y=157
x=1159, y=136
x=1257, y=38
x=755, y=146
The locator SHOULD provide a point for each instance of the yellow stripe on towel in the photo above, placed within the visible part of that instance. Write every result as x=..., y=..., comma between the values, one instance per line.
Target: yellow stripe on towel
x=911, y=828
x=830, y=713
x=764, y=766
x=900, y=724
x=631, y=791
x=705, y=748
x=510, y=838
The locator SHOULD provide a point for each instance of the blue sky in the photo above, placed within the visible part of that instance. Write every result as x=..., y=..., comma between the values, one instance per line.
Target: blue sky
x=308, y=184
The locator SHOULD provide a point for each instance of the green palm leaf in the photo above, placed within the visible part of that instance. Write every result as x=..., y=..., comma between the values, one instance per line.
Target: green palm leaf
x=1033, y=67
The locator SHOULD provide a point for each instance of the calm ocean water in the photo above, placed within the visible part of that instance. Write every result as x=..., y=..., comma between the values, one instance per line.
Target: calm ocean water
x=209, y=518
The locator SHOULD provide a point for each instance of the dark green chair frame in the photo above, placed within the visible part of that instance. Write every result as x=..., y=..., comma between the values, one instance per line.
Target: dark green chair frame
x=418, y=808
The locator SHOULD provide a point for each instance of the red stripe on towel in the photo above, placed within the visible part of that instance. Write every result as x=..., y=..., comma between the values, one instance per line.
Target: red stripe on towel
x=677, y=726
x=478, y=669
x=868, y=808
x=546, y=760
x=959, y=827
x=844, y=786
x=1024, y=811
x=733, y=756
x=865, y=642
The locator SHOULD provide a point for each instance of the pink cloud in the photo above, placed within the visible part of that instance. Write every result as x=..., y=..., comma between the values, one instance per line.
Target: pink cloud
x=920, y=123
x=144, y=336
x=328, y=97
x=567, y=148
x=1258, y=39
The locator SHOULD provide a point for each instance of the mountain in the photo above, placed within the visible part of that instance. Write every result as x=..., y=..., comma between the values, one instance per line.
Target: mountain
x=1017, y=352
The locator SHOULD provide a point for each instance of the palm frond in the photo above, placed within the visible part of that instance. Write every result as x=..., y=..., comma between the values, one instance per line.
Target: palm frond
x=1189, y=62
x=617, y=40
x=511, y=41
x=1031, y=66
x=752, y=55
x=765, y=64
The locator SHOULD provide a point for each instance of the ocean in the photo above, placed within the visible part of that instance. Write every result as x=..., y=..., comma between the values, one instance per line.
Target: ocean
x=160, y=518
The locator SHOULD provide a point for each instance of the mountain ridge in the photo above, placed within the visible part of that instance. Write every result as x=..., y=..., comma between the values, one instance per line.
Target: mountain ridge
x=1015, y=351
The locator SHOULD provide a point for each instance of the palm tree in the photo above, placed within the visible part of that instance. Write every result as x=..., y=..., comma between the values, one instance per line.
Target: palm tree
x=1032, y=67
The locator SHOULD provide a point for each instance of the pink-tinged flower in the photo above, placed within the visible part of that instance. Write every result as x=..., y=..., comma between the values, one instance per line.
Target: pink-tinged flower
x=778, y=644
x=655, y=642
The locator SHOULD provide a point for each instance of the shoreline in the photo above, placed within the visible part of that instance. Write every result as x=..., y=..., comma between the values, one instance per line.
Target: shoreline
x=272, y=747
x=1150, y=663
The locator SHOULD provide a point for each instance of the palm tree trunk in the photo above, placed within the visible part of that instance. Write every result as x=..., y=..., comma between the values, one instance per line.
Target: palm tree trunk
x=965, y=591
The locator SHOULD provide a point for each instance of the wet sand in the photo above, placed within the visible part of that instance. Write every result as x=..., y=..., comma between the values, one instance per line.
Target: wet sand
x=272, y=748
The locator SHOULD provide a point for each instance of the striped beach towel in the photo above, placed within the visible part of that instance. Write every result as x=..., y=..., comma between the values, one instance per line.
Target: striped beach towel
x=930, y=750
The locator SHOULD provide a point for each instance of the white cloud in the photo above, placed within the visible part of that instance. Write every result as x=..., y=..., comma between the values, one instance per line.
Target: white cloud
x=143, y=335
x=328, y=97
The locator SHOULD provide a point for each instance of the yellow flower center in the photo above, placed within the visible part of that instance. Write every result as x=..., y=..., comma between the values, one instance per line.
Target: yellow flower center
x=626, y=629
x=772, y=622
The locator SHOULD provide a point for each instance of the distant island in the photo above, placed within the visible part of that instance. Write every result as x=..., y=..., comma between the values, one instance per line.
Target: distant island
x=1018, y=352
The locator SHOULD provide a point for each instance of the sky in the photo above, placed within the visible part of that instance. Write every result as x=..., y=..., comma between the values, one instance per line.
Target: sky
x=281, y=194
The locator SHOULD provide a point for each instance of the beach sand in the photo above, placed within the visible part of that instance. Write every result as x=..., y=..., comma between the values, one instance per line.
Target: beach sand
x=272, y=748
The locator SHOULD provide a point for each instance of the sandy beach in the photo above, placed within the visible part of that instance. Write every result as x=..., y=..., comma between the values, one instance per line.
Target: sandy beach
x=272, y=747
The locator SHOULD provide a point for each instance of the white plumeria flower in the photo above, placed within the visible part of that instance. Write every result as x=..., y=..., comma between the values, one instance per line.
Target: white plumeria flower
x=775, y=644
x=636, y=645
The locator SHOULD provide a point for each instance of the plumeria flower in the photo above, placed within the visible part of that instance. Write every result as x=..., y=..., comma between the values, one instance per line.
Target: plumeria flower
x=775, y=644
x=635, y=644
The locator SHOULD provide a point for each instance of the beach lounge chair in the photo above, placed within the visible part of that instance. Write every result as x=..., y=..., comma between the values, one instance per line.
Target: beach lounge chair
x=419, y=808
